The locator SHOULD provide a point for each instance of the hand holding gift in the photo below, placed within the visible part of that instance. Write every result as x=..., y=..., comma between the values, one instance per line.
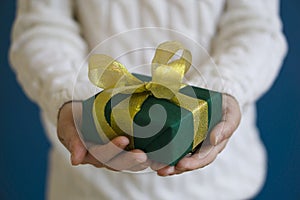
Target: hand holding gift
x=191, y=113
x=219, y=137
x=111, y=154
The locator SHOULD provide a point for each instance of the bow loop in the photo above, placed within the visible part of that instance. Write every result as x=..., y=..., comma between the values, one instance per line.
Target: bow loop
x=105, y=72
x=167, y=76
x=167, y=72
x=165, y=53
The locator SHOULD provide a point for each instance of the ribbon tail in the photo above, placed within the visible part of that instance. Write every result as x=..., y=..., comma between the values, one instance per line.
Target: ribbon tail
x=199, y=110
x=123, y=114
x=106, y=133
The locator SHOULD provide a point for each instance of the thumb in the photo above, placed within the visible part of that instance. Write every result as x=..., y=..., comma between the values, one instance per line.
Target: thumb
x=77, y=149
x=68, y=135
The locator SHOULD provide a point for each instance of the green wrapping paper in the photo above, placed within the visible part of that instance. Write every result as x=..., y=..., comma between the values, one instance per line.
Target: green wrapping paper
x=167, y=134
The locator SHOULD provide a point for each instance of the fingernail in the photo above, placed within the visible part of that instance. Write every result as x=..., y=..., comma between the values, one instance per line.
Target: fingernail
x=170, y=170
x=123, y=142
x=121, y=145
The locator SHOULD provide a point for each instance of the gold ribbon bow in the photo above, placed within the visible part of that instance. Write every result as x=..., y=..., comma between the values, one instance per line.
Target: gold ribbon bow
x=167, y=75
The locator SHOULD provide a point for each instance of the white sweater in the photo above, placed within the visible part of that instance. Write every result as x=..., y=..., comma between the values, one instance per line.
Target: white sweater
x=243, y=38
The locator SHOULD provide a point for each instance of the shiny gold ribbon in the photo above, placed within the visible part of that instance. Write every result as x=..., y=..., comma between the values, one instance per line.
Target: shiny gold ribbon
x=167, y=75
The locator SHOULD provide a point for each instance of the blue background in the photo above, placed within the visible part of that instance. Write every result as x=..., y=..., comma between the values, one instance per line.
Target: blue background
x=23, y=146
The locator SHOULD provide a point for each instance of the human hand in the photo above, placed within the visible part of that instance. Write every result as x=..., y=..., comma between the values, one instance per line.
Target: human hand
x=111, y=155
x=219, y=137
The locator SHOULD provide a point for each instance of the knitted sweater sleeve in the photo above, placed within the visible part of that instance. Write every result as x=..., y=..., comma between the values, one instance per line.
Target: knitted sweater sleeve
x=46, y=51
x=247, y=50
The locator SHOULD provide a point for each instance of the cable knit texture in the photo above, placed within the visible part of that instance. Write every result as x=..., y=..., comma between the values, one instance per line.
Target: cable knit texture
x=51, y=39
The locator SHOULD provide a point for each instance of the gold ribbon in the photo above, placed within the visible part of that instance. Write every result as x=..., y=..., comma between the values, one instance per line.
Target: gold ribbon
x=167, y=75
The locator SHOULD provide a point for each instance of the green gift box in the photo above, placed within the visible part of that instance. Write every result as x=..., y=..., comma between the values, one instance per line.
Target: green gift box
x=162, y=129
x=159, y=114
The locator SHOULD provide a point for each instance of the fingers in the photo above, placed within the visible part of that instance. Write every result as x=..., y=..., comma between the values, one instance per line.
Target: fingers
x=127, y=160
x=104, y=153
x=196, y=161
x=77, y=149
x=89, y=159
x=75, y=146
x=141, y=166
x=113, y=156
x=166, y=171
x=157, y=166
x=230, y=121
x=200, y=160
x=68, y=135
x=110, y=155
x=218, y=139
